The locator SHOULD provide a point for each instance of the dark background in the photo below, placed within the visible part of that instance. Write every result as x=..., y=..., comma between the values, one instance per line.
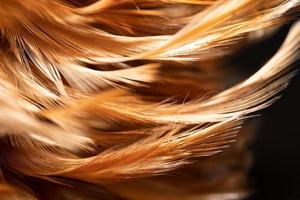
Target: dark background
x=276, y=170
x=275, y=173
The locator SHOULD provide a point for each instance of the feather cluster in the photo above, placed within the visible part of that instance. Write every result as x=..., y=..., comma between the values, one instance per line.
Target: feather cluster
x=104, y=99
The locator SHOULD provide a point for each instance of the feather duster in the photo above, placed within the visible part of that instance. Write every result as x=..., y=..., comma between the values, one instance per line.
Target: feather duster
x=133, y=99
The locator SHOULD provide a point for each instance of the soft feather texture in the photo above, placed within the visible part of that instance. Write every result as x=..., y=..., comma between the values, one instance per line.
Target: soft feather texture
x=94, y=93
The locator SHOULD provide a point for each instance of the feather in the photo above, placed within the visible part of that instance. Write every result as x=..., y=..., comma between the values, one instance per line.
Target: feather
x=93, y=94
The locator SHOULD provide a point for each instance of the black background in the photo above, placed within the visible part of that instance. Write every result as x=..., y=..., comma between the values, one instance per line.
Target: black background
x=275, y=173
x=276, y=170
